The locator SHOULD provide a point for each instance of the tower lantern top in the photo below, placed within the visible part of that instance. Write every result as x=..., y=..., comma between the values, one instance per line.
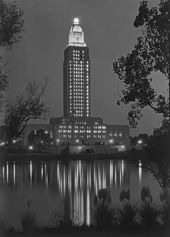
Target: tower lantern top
x=76, y=35
x=76, y=21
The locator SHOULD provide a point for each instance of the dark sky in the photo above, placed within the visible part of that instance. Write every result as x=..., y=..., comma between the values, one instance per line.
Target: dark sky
x=109, y=33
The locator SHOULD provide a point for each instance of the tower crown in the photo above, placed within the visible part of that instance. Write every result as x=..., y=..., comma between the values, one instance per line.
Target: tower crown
x=76, y=35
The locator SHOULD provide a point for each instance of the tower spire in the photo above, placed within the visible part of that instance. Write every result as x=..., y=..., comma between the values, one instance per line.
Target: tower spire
x=76, y=35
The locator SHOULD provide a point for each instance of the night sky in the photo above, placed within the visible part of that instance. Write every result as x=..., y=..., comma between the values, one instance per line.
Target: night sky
x=109, y=34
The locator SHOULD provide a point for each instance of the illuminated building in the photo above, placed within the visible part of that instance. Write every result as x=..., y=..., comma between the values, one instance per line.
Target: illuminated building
x=77, y=126
x=76, y=74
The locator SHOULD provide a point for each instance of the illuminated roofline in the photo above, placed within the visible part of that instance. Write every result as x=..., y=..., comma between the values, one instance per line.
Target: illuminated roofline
x=77, y=44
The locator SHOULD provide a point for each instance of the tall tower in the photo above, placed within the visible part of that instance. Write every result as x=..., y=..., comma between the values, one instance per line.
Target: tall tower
x=76, y=74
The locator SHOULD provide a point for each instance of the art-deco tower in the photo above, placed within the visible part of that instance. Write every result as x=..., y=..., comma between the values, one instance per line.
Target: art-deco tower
x=76, y=74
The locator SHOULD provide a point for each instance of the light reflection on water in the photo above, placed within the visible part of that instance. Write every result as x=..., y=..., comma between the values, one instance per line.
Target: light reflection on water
x=69, y=188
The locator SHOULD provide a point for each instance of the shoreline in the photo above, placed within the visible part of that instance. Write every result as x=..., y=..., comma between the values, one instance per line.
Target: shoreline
x=127, y=155
x=50, y=156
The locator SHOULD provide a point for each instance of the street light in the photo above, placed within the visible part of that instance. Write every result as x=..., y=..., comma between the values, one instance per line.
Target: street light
x=111, y=141
x=140, y=142
x=31, y=148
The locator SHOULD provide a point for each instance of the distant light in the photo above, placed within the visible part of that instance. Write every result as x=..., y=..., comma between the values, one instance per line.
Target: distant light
x=111, y=141
x=14, y=141
x=77, y=141
x=57, y=140
x=76, y=21
x=46, y=132
x=31, y=148
x=2, y=144
x=122, y=146
x=79, y=148
x=140, y=142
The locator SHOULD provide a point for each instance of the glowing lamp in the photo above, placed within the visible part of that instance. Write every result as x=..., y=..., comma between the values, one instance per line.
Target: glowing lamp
x=111, y=141
x=31, y=148
x=140, y=142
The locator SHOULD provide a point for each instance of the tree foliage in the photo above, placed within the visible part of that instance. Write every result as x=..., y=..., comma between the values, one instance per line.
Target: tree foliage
x=150, y=54
x=3, y=79
x=27, y=106
x=11, y=25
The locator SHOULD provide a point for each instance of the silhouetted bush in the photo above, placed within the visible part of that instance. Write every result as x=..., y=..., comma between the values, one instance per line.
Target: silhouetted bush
x=149, y=214
x=28, y=222
x=127, y=215
x=146, y=193
x=124, y=195
x=54, y=219
x=165, y=210
x=103, y=214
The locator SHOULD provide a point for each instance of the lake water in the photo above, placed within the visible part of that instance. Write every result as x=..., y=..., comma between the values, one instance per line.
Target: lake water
x=55, y=187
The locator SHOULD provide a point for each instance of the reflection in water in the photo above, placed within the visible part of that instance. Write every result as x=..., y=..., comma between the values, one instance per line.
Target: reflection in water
x=42, y=170
x=31, y=173
x=3, y=174
x=140, y=172
x=88, y=207
x=76, y=182
x=115, y=177
x=14, y=172
x=7, y=172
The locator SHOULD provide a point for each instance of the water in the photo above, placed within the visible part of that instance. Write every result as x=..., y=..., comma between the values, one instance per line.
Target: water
x=53, y=187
